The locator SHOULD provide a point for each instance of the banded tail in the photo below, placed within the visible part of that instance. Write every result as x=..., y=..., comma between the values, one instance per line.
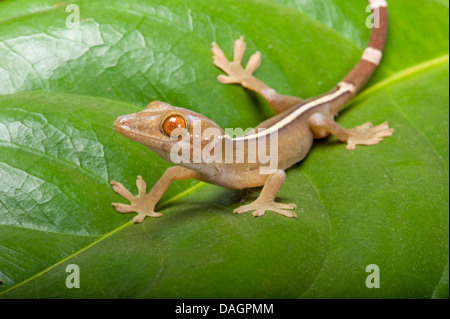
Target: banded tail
x=373, y=53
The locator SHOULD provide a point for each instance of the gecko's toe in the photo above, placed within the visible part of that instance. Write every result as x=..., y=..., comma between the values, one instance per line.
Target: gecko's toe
x=139, y=218
x=259, y=208
x=242, y=209
x=123, y=208
x=258, y=213
x=285, y=212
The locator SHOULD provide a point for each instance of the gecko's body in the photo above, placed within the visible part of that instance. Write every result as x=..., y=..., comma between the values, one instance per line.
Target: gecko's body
x=297, y=123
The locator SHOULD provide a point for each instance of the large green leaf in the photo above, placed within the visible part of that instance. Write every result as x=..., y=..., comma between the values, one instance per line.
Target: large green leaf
x=62, y=88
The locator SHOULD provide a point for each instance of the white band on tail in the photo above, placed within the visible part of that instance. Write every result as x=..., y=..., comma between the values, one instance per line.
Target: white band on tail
x=346, y=87
x=372, y=55
x=375, y=4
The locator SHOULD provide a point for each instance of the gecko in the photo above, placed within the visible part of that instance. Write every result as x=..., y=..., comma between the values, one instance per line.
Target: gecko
x=162, y=127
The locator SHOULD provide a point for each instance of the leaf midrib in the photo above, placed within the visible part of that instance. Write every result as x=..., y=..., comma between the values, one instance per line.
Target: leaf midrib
x=396, y=77
x=101, y=238
x=401, y=75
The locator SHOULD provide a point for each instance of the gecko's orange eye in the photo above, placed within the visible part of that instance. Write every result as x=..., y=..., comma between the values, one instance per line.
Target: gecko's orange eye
x=173, y=122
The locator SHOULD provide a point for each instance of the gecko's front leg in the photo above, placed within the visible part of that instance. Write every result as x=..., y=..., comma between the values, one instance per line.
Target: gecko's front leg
x=144, y=204
x=266, y=200
x=236, y=73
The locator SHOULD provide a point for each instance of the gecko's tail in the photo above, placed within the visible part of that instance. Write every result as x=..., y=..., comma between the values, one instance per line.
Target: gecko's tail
x=372, y=55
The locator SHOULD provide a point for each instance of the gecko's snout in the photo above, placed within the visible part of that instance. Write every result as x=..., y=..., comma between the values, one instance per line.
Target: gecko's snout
x=120, y=122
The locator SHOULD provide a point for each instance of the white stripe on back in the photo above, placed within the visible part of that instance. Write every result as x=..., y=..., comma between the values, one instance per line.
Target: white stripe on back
x=343, y=88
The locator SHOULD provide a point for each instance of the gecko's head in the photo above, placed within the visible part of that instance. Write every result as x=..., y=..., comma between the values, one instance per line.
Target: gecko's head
x=160, y=126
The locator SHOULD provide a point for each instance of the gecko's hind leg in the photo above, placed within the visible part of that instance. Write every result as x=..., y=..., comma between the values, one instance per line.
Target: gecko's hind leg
x=266, y=200
x=244, y=76
x=365, y=134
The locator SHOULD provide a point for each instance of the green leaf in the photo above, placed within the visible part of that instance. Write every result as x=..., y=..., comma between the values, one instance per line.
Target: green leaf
x=62, y=88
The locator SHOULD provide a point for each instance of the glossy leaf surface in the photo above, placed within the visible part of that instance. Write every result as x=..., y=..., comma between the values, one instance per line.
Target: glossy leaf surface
x=62, y=88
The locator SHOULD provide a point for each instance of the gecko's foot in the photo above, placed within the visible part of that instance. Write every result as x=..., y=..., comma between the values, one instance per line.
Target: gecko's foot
x=367, y=134
x=234, y=70
x=139, y=204
x=259, y=208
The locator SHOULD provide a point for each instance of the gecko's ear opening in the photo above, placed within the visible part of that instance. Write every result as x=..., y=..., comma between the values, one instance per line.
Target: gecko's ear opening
x=157, y=105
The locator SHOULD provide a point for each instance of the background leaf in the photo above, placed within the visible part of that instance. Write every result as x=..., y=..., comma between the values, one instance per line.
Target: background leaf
x=62, y=88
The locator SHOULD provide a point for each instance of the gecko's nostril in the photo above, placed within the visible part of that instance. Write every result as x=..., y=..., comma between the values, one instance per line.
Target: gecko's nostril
x=120, y=122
